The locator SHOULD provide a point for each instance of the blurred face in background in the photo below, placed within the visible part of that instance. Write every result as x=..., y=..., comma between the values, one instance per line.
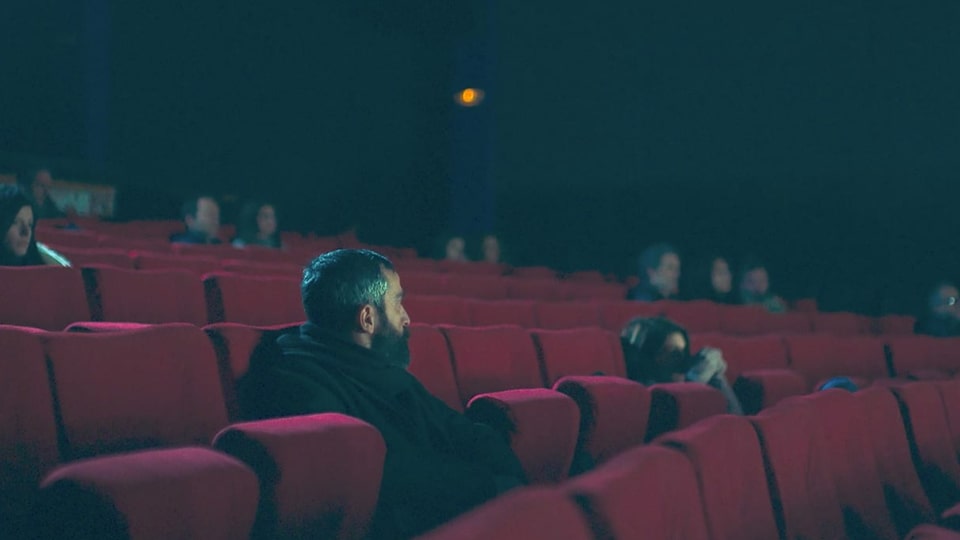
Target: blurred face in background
x=756, y=282
x=720, y=277
x=40, y=188
x=454, y=249
x=17, y=238
x=491, y=249
x=666, y=276
x=266, y=221
x=207, y=220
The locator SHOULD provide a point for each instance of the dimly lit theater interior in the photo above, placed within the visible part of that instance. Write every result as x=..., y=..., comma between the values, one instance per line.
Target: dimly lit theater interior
x=480, y=270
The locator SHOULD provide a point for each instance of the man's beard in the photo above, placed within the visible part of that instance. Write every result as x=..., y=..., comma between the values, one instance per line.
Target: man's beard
x=392, y=345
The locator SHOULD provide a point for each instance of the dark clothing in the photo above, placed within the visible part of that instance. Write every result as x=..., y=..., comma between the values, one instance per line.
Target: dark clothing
x=645, y=293
x=191, y=237
x=937, y=326
x=438, y=463
x=48, y=210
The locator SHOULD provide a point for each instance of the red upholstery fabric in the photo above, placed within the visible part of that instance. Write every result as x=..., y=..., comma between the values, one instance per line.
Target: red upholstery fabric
x=950, y=394
x=895, y=325
x=251, y=268
x=525, y=514
x=596, y=291
x=79, y=257
x=726, y=458
x=533, y=272
x=96, y=327
x=928, y=431
x=695, y=316
x=470, y=268
x=492, y=359
x=199, y=264
x=238, y=346
x=319, y=474
x=744, y=353
x=257, y=301
x=743, y=320
x=28, y=431
x=406, y=266
x=590, y=276
x=915, y=355
x=795, y=457
x=437, y=309
x=542, y=426
x=762, y=388
x=819, y=357
x=841, y=323
x=487, y=313
x=614, y=413
x=430, y=364
x=74, y=239
x=932, y=532
x=786, y=323
x=615, y=315
x=579, y=351
x=141, y=388
x=560, y=315
x=648, y=492
x=484, y=287
x=536, y=289
x=47, y=297
x=145, y=296
x=177, y=493
x=424, y=283
x=678, y=405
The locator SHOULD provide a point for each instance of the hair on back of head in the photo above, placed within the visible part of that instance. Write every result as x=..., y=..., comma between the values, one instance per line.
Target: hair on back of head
x=338, y=283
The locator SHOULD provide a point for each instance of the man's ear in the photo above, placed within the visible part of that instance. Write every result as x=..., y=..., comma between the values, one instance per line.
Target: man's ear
x=366, y=319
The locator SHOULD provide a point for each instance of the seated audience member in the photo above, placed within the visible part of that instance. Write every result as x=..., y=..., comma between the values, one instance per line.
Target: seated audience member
x=942, y=317
x=657, y=350
x=755, y=287
x=712, y=280
x=490, y=249
x=20, y=247
x=350, y=357
x=659, y=274
x=202, y=218
x=257, y=226
x=453, y=248
x=36, y=183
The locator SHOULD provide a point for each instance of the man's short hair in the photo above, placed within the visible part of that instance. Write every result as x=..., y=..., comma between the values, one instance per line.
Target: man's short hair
x=650, y=258
x=189, y=207
x=337, y=284
x=750, y=263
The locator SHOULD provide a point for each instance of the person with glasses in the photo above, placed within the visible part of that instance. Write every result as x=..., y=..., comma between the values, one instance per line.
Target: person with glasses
x=942, y=317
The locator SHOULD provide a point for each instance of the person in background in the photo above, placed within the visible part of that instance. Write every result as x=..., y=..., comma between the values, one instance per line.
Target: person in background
x=755, y=287
x=657, y=350
x=351, y=357
x=20, y=247
x=257, y=226
x=490, y=249
x=659, y=274
x=36, y=183
x=942, y=317
x=712, y=280
x=453, y=248
x=202, y=218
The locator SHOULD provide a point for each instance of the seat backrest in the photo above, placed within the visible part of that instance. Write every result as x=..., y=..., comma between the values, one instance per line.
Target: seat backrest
x=585, y=290
x=726, y=458
x=746, y=353
x=489, y=313
x=493, y=358
x=536, y=289
x=787, y=323
x=950, y=394
x=47, y=297
x=430, y=364
x=819, y=357
x=319, y=474
x=615, y=315
x=257, y=301
x=425, y=284
x=144, y=296
x=199, y=264
x=251, y=268
x=176, y=493
x=678, y=405
x=841, y=323
x=560, y=315
x=614, y=413
x=28, y=431
x=743, y=320
x=895, y=324
x=646, y=492
x=695, y=316
x=437, y=309
x=523, y=514
x=483, y=287
x=80, y=257
x=118, y=391
x=915, y=355
x=578, y=351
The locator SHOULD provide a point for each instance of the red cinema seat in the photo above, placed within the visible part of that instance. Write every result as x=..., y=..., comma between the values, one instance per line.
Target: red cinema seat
x=483, y=287
x=118, y=391
x=895, y=325
x=492, y=313
x=535, y=289
x=67, y=238
x=932, y=532
x=240, y=349
x=726, y=459
x=924, y=357
x=806, y=305
x=430, y=364
x=150, y=245
x=198, y=264
x=428, y=284
x=524, y=514
x=437, y=309
x=415, y=266
x=470, y=268
x=28, y=431
x=695, y=316
x=80, y=257
x=678, y=405
x=217, y=251
x=541, y=424
x=533, y=272
x=47, y=297
x=819, y=357
x=615, y=315
x=560, y=315
x=588, y=276
x=841, y=323
x=493, y=358
x=799, y=478
x=579, y=351
x=950, y=394
x=786, y=323
x=614, y=414
x=319, y=474
x=257, y=301
x=176, y=493
x=585, y=290
x=145, y=296
x=648, y=492
x=743, y=320
x=251, y=268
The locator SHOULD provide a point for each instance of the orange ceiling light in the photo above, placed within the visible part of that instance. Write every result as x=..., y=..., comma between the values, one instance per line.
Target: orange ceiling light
x=469, y=97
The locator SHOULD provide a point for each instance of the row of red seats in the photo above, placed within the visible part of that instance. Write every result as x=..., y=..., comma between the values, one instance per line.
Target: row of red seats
x=881, y=463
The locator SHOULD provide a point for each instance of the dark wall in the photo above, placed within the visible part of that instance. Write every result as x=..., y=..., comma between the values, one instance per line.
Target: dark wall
x=823, y=136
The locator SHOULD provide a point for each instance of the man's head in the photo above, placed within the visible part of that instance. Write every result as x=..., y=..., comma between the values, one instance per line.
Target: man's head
x=356, y=293
x=490, y=249
x=202, y=216
x=755, y=281
x=36, y=182
x=943, y=300
x=720, y=278
x=660, y=267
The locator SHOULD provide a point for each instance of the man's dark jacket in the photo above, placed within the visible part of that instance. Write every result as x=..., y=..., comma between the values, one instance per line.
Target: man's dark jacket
x=438, y=464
